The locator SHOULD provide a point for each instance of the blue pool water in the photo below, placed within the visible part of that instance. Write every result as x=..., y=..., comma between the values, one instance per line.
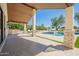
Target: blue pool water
x=57, y=33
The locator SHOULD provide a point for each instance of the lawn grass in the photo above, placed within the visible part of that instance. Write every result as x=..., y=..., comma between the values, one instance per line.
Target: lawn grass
x=77, y=43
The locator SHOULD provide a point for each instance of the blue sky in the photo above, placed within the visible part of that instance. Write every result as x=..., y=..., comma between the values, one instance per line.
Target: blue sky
x=44, y=16
x=76, y=9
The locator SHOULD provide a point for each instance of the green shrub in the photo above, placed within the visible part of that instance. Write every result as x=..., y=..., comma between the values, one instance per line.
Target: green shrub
x=12, y=25
x=61, y=30
x=77, y=43
x=78, y=30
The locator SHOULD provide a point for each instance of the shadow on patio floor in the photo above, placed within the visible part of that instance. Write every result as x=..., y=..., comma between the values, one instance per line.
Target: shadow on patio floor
x=16, y=46
x=52, y=48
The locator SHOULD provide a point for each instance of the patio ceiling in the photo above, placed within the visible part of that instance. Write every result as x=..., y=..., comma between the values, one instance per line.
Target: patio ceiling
x=21, y=12
x=18, y=12
x=47, y=5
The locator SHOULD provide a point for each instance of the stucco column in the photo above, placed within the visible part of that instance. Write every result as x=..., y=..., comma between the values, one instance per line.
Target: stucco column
x=69, y=28
x=34, y=23
x=25, y=30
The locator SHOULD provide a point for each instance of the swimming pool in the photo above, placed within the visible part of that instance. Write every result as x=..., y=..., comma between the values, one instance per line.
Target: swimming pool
x=57, y=33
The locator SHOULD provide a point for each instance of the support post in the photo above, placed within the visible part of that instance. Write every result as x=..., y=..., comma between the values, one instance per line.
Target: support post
x=69, y=28
x=25, y=28
x=34, y=23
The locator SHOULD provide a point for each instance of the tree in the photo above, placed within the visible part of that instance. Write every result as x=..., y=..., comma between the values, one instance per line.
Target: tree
x=41, y=27
x=57, y=22
x=77, y=17
x=13, y=25
x=75, y=27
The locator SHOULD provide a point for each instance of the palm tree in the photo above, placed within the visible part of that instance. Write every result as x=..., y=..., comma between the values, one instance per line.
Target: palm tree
x=57, y=22
x=77, y=17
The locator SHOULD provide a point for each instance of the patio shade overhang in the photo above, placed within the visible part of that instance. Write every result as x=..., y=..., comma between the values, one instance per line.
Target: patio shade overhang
x=48, y=5
x=21, y=12
x=18, y=12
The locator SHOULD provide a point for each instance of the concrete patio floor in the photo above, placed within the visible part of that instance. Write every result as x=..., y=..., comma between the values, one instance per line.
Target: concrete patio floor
x=25, y=45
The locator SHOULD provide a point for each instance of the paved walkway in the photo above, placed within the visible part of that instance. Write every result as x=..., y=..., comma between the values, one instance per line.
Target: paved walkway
x=25, y=45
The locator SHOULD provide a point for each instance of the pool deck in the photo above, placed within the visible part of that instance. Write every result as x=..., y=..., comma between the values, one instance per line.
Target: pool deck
x=25, y=45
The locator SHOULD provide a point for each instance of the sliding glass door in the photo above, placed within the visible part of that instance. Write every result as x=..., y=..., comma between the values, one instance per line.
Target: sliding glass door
x=2, y=31
x=0, y=25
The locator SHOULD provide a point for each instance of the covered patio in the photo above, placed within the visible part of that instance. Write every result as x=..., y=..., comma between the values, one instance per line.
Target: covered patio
x=19, y=44
x=22, y=12
x=24, y=45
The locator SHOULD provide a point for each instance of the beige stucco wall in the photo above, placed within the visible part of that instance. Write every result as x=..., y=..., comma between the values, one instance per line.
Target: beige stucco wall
x=4, y=8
